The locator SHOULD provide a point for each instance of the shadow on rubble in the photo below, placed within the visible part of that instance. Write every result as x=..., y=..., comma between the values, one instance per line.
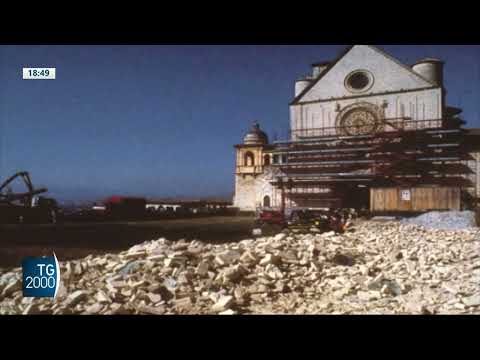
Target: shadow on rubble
x=70, y=241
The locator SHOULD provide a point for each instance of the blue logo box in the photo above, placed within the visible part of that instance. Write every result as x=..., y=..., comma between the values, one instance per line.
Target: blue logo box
x=40, y=276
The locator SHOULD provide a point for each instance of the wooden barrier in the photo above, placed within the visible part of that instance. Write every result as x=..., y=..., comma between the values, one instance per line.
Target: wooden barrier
x=415, y=199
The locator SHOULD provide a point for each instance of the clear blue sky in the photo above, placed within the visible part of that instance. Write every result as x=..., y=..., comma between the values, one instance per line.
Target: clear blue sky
x=162, y=120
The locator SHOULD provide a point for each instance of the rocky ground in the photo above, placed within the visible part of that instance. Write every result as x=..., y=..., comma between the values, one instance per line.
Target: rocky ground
x=374, y=268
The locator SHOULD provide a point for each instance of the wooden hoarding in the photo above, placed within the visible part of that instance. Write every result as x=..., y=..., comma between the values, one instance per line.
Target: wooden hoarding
x=414, y=199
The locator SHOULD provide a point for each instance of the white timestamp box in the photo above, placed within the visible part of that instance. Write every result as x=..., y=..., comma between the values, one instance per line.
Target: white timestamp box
x=39, y=73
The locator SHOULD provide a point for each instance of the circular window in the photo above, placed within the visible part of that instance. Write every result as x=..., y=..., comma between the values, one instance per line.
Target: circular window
x=359, y=122
x=359, y=81
x=360, y=119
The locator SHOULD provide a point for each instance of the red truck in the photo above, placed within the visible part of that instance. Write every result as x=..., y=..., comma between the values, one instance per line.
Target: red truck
x=125, y=208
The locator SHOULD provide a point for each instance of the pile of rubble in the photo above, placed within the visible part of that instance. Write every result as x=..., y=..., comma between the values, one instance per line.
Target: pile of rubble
x=446, y=220
x=374, y=268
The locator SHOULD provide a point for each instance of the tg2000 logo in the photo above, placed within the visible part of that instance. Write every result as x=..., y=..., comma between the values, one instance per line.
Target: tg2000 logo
x=41, y=276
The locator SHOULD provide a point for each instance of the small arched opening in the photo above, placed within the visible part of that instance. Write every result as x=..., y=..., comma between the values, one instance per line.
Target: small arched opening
x=249, y=159
x=266, y=160
x=266, y=201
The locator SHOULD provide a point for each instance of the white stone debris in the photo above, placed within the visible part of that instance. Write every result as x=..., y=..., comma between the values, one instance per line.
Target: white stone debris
x=446, y=220
x=375, y=267
x=223, y=303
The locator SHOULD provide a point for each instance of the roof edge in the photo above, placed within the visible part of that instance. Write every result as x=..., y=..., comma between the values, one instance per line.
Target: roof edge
x=326, y=71
x=297, y=99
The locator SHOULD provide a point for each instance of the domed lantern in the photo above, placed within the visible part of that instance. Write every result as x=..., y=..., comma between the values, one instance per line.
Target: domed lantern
x=255, y=136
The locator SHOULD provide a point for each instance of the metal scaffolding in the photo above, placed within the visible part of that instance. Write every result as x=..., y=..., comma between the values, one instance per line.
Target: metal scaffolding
x=405, y=153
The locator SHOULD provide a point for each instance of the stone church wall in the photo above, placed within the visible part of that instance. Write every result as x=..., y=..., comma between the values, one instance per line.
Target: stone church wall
x=250, y=191
x=417, y=105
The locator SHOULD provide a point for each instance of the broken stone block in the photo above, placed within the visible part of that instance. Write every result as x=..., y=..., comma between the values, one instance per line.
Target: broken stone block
x=111, y=290
x=376, y=283
x=194, y=252
x=150, y=310
x=117, y=284
x=135, y=255
x=78, y=269
x=343, y=260
x=184, y=278
x=249, y=258
x=127, y=292
x=223, y=303
x=227, y=312
x=156, y=257
x=76, y=297
x=234, y=273
x=273, y=272
x=328, y=234
x=154, y=298
x=14, y=286
x=270, y=259
x=121, y=310
x=368, y=295
x=240, y=295
x=130, y=268
x=393, y=288
x=170, y=284
x=214, y=296
x=279, y=237
x=139, y=284
x=30, y=309
x=280, y=287
x=202, y=268
x=227, y=257
x=304, y=262
x=101, y=297
x=258, y=289
x=342, y=293
x=289, y=256
x=164, y=292
x=183, y=303
x=175, y=261
x=180, y=245
x=277, y=245
x=94, y=309
x=472, y=301
x=62, y=290
x=101, y=261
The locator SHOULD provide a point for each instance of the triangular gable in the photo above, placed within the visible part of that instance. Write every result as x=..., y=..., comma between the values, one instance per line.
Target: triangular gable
x=389, y=75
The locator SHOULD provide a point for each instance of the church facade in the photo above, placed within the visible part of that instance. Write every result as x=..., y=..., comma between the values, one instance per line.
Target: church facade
x=343, y=105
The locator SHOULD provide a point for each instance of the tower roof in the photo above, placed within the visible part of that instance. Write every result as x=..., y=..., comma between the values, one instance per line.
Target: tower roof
x=255, y=136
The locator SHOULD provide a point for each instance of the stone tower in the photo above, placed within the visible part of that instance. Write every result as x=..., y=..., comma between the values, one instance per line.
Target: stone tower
x=250, y=164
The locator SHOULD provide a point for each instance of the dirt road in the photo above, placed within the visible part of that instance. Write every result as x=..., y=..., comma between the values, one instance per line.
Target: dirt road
x=76, y=240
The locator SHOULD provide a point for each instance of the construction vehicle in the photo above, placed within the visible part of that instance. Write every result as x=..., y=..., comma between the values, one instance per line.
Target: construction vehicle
x=321, y=220
x=270, y=217
x=26, y=207
x=269, y=221
x=125, y=208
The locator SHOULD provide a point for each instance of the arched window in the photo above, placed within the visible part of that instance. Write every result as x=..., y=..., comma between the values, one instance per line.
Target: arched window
x=266, y=201
x=266, y=160
x=249, y=159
